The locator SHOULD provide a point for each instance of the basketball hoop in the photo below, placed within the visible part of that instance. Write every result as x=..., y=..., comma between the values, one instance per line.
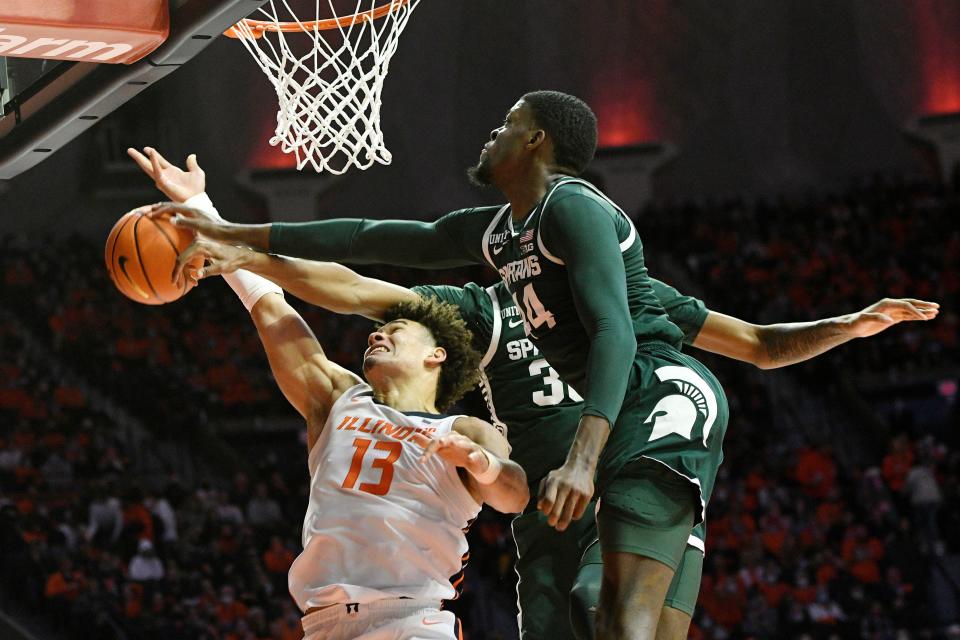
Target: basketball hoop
x=329, y=90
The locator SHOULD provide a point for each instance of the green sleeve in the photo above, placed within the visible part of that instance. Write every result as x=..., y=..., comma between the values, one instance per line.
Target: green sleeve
x=472, y=302
x=454, y=240
x=686, y=312
x=585, y=237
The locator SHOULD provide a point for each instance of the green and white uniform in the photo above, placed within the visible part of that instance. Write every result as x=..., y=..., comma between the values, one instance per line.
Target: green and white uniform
x=525, y=396
x=575, y=268
x=539, y=414
x=522, y=390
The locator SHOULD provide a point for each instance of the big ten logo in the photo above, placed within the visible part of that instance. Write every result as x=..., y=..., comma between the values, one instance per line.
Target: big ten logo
x=526, y=248
x=520, y=349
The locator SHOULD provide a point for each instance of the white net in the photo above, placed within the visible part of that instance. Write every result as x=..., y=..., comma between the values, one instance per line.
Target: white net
x=328, y=77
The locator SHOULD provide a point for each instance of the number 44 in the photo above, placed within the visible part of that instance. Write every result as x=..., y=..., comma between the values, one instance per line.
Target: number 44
x=534, y=312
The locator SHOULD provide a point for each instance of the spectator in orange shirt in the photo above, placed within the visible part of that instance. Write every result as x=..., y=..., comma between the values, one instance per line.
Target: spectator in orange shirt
x=61, y=584
x=229, y=609
x=287, y=626
x=277, y=559
x=775, y=528
x=897, y=462
x=771, y=586
x=61, y=589
x=816, y=471
x=137, y=521
x=804, y=593
x=861, y=553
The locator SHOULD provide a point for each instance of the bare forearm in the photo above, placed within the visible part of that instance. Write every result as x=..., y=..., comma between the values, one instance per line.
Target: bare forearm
x=324, y=284
x=289, y=344
x=256, y=236
x=509, y=493
x=589, y=442
x=331, y=286
x=788, y=343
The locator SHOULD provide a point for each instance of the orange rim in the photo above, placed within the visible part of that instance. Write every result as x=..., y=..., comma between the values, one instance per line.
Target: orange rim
x=259, y=27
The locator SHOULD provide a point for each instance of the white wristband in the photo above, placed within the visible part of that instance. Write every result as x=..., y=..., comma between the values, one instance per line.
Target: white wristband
x=204, y=204
x=494, y=467
x=250, y=287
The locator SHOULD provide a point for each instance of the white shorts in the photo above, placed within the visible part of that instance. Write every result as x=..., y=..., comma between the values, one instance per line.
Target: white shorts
x=382, y=620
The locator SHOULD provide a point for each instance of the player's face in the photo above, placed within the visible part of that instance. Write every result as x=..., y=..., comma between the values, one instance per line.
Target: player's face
x=399, y=346
x=505, y=149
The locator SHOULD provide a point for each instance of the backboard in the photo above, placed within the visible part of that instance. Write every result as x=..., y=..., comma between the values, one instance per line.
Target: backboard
x=45, y=103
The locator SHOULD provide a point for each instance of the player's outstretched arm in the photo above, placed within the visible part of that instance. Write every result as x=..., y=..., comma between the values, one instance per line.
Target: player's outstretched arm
x=325, y=284
x=310, y=381
x=481, y=450
x=452, y=241
x=331, y=286
x=307, y=378
x=779, y=345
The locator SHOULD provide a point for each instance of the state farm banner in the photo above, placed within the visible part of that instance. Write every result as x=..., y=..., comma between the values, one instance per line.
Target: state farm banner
x=111, y=31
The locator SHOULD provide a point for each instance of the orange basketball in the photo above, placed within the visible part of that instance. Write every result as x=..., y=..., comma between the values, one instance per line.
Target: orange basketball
x=141, y=254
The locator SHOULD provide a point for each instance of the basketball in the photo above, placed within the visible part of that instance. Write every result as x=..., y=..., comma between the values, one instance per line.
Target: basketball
x=141, y=253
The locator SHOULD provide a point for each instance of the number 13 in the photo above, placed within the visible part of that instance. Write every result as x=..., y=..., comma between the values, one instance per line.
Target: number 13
x=385, y=465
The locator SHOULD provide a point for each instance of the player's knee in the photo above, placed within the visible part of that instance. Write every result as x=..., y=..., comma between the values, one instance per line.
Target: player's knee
x=584, y=597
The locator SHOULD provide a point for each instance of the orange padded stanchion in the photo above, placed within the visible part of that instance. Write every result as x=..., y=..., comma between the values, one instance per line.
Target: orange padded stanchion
x=112, y=31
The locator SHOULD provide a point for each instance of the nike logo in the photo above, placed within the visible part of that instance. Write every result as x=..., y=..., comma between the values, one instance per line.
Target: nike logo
x=512, y=324
x=497, y=250
x=428, y=623
x=122, y=263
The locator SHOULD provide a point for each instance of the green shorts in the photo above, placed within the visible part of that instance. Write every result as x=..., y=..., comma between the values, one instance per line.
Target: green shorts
x=547, y=564
x=560, y=575
x=648, y=510
x=685, y=587
x=675, y=412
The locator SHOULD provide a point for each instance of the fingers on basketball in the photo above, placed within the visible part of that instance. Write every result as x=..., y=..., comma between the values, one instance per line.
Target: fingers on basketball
x=141, y=255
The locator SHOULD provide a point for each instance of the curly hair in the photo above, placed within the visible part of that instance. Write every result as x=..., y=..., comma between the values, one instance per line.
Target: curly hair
x=570, y=123
x=459, y=373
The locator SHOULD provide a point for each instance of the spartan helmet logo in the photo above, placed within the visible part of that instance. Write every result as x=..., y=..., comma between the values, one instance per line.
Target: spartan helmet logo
x=677, y=413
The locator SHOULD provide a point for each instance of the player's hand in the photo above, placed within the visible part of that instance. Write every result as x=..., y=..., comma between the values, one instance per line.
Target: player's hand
x=455, y=448
x=218, y=258
x=174, y=182
x=565, y=494
x=199, y=221
x=888, y=312
x=190, y=218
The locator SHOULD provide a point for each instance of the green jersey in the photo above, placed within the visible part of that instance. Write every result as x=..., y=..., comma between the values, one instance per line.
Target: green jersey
x=525, y=396
x=575, y=268
x=580, y=336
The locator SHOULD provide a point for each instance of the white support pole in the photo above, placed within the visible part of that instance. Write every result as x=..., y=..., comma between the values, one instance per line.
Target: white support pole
x=942, y=132
x=627, y=172
x=291, y=195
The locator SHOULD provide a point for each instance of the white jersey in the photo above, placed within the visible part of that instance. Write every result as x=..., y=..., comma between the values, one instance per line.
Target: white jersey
x=380, y=523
